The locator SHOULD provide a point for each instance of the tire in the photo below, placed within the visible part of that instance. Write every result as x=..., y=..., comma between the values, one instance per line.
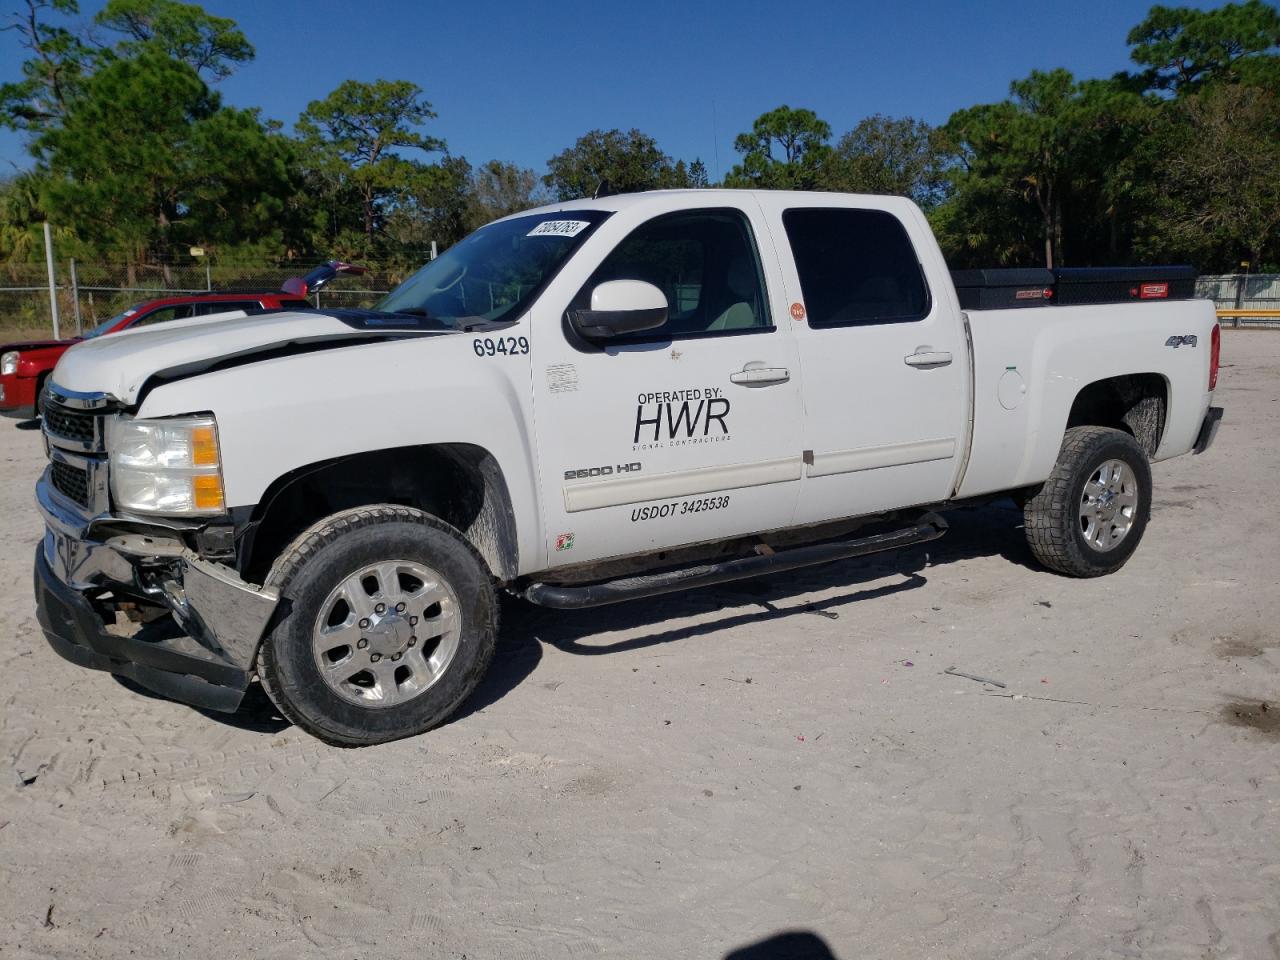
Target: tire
x=1081, y=523
x=362, y=675
x=38, y=412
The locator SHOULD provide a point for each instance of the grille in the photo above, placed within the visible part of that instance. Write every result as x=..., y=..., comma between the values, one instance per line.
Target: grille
x=70, y=424
x=71, y=482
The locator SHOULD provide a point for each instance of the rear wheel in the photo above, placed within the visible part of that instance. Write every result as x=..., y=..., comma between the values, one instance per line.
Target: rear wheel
x=1087, y=519
x=392, y=622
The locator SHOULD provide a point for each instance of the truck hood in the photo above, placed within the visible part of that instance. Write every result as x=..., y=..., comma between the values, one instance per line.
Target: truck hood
x=120, y=365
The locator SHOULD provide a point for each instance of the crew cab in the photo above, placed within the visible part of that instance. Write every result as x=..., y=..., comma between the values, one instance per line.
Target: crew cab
x=589, y=402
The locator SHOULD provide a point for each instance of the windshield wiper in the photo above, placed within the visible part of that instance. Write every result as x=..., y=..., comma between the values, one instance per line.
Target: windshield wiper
x=468, y=324
x=415, y=312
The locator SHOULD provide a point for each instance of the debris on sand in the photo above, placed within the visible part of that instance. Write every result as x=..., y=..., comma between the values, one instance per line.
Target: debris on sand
x=969, y=676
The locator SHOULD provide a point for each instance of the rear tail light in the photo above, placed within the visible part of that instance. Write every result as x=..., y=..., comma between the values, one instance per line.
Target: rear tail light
x=1215, y=350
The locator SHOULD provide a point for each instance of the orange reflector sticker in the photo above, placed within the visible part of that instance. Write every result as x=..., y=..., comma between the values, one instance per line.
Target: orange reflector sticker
x=207, y=491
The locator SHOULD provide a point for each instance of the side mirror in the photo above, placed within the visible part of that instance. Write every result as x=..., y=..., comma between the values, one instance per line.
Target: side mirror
x=619, y=307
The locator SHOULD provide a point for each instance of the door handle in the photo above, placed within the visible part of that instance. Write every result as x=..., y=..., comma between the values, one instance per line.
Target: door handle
x=927, y=358
x=758, y=375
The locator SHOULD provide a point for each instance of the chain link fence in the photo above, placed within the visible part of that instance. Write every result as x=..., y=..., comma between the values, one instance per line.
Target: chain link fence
x=89, y=293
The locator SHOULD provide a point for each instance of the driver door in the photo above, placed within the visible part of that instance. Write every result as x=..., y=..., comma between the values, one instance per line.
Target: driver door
x=677, y=435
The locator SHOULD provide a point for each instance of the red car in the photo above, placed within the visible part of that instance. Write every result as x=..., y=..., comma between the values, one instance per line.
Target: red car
x=24, y=366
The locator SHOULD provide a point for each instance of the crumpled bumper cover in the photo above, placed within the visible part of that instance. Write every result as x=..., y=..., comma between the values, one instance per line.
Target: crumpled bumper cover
x=165, y=664
x=203, y=655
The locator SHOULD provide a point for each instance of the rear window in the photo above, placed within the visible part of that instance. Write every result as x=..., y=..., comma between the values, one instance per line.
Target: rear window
x=856, y=267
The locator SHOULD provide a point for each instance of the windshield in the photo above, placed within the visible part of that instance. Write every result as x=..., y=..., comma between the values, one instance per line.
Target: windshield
x=493, y=274
x=106, y=325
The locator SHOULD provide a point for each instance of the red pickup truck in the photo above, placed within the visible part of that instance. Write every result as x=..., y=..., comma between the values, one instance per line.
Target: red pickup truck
x=24, y=366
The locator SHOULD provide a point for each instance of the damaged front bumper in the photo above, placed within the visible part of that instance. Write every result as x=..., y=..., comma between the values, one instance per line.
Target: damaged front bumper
x=88, y=571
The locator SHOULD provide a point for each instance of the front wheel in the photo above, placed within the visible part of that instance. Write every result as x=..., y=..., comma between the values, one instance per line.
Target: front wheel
x=1089, y=516
x=392, y=621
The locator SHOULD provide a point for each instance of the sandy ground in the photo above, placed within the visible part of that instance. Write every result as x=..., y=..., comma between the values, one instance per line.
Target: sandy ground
x=692, y=777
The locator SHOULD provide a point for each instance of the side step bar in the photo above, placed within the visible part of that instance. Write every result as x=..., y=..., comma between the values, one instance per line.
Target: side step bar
x=930, y=526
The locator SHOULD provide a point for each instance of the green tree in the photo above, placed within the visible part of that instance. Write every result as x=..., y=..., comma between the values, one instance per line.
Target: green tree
x=1037, y=164
x=61, y=58
x=623, y=162
x=1213, y=194
x=894, y=155
x=697, y=177
x=20, y=218
x=1183, y=48
x=53, y=73
x=147, y=161
x=435, y=205
x=353, y=140
x=184, y=31
x=498, y=189
x=786, y=149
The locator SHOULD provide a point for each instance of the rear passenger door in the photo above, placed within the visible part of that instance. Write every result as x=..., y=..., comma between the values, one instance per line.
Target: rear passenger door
x=884, y=362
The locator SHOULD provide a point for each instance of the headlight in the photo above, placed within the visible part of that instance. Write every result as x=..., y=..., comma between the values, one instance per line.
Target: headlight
x=166, y=466
x=9, y=362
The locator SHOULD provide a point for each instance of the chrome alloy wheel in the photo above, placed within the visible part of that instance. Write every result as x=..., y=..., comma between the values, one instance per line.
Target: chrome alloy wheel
x=1108, y=505
x=386, y=633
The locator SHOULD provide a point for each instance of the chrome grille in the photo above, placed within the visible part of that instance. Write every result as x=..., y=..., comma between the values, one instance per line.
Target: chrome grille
x=67, y=424
x=70, y=481
x=75, y=438
x=76, y=421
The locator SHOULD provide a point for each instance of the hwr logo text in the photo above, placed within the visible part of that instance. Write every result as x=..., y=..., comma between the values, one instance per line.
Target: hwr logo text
x=681, y=415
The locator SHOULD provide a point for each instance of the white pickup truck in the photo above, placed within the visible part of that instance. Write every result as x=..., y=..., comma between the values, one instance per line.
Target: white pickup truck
x=590, y=402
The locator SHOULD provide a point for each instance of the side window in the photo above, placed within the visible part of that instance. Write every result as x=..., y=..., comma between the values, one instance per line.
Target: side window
x=856, y=267
x=706, y=263
x=224, y=306
x=162, y=315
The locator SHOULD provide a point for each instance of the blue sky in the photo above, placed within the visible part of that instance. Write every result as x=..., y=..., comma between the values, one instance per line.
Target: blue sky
x=521, y=81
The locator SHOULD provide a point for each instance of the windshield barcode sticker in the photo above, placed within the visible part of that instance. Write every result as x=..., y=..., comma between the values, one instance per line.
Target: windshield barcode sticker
x=559, y=228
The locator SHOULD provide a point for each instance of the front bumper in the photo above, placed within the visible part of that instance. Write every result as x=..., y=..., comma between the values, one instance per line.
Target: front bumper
x=203, y=655
x=1208, y=430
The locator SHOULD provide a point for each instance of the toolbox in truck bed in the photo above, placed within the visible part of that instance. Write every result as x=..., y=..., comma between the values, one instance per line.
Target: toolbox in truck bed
x=1034, y=287
x=1002, y=289
x=1121, y=284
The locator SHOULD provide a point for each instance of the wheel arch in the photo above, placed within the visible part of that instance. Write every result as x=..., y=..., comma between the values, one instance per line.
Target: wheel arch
x=461, y=484
x=1137, y=403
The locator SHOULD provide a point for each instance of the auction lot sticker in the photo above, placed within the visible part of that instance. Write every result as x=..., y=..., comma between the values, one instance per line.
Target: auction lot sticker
x=559, y=228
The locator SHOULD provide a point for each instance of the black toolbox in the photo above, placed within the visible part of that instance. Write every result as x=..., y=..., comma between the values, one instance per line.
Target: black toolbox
x=1003, y=289
x=1124, y=284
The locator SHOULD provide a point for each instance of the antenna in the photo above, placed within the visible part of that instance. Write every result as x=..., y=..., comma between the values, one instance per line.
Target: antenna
x=604, y=189
x=715, y=140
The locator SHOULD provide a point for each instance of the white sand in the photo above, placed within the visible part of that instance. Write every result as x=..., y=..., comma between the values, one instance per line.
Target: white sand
x=620, y=789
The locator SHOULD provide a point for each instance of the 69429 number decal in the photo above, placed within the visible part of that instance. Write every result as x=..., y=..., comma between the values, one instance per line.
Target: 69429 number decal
x=495, y=346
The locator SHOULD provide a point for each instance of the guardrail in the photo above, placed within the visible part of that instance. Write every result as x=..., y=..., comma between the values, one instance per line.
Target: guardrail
x=1249, y=317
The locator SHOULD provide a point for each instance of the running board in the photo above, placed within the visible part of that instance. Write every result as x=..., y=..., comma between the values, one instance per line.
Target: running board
x=930, y=526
